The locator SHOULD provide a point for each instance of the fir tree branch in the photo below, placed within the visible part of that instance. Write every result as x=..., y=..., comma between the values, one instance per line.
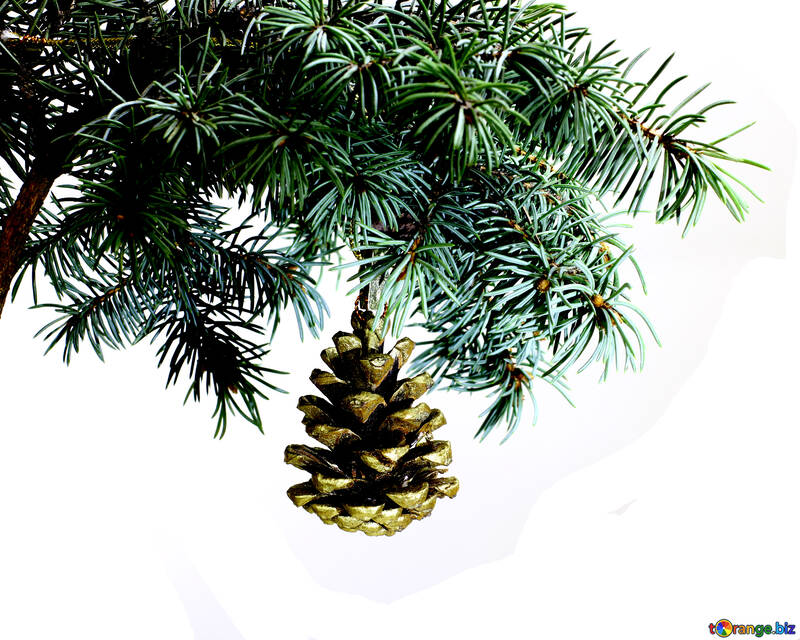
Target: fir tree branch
x=461, y=150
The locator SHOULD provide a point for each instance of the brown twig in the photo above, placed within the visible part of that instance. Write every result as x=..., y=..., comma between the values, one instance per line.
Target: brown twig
x=18, y=222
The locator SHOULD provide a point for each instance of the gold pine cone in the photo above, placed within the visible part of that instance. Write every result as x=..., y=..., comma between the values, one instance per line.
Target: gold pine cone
x=380, y=468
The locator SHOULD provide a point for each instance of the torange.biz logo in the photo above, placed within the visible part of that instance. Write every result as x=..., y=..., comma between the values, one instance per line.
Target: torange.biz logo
x=724, y=628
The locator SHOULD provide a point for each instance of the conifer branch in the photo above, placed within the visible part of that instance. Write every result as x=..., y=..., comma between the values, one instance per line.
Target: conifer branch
x=460, y=151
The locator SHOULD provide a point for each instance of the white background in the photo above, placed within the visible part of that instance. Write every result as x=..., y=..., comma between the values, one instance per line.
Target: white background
x=665, y=501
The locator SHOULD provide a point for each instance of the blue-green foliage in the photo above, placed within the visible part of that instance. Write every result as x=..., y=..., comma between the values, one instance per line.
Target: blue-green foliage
x=458, y=149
